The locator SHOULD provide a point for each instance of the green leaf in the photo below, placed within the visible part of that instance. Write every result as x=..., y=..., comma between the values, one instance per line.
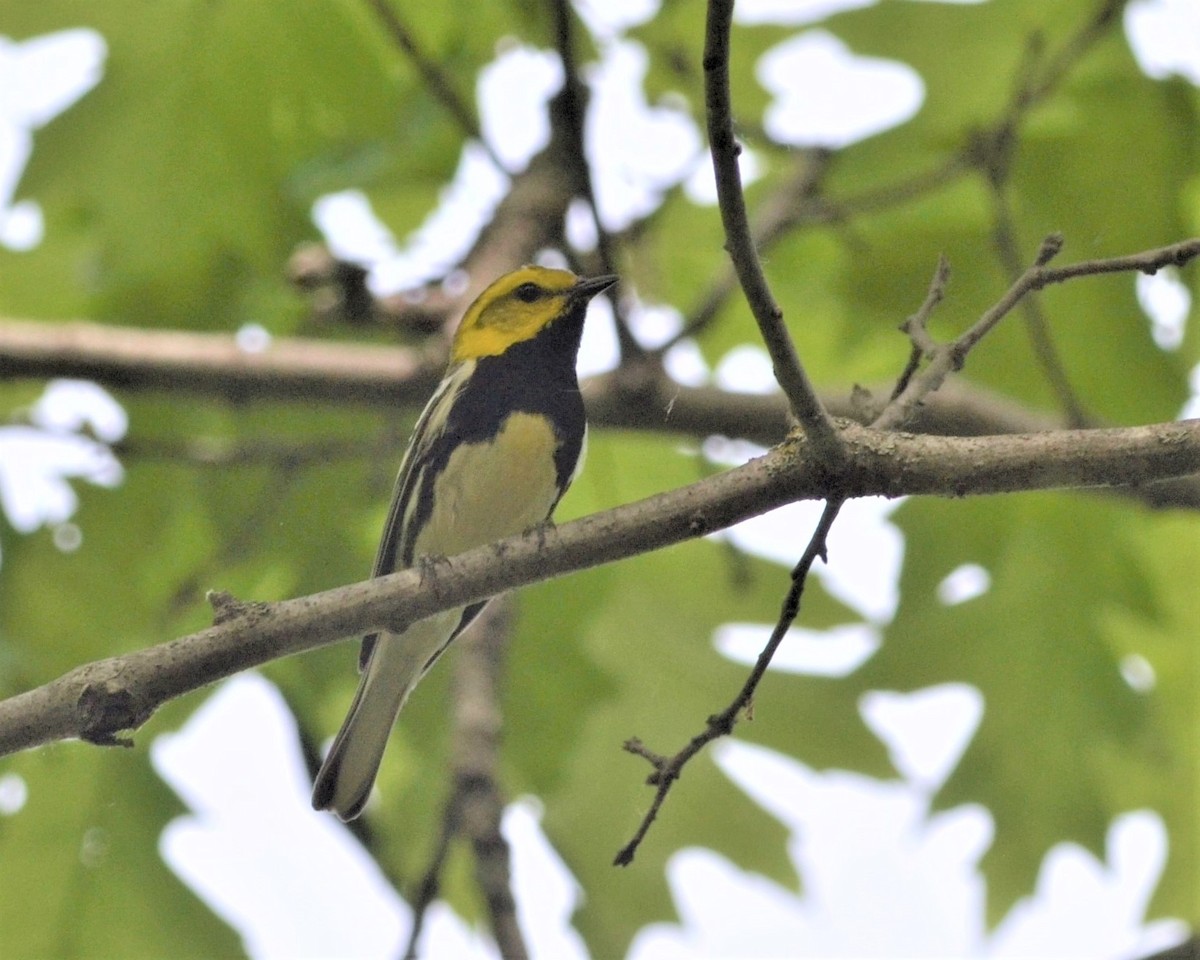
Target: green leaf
x=85, y=847
x=1059, y=719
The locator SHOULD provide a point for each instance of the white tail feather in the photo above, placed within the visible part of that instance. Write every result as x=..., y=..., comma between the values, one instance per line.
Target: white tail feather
x=397, y=664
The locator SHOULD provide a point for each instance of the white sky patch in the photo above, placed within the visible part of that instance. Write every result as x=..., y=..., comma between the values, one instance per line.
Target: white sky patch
x=730, y=452
x=656, y=146
x=724, y=911
x=291, y=881
x=836, y=652
x=884, y=877
x=685, y=364
x=881, y=877
x=797, y=12
x=964, y=583
x=873, y=94
x=69, y=406
x=71, y=425
x=925, y=731
x=39, y=79
x=608, y=18
x=599, y=351
x=1138, y=672
x=865, y=550
x=513, y=92
x=792, y=12
x=546, y=892
x=24, y=226
x=13, y=793
x=353, y=232
x=1167, y=302
x=1165, y=37
x=746, y=369
x=580, y=227
x=1080, y=900
x=252, y=338
x=351, y=229
x=1191, y=407
x=653, y=324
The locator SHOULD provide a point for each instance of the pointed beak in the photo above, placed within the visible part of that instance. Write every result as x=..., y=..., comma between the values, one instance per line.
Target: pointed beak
x=589, y=287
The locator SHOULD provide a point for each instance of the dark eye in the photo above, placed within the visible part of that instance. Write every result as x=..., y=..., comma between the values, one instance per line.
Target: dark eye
x=528, y=292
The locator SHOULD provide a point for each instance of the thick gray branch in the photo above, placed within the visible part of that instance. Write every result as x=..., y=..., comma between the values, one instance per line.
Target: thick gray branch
x=98, y=700
x=214, y=363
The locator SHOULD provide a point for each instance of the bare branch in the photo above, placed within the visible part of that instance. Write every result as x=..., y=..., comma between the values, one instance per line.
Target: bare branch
x=567, y=114
x=99, y=700
x=290, y=368
x=949, y=358
x=793, y=204
x=474, y=806
x=1037, y=325
x=436, y=80
x=668, y=769
x=430, y=884
x=916, y=327
x=477, y=725
x=789, y=373
x=314, y=370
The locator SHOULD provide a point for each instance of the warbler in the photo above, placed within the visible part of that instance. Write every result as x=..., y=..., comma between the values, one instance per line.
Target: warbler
x=492, y=454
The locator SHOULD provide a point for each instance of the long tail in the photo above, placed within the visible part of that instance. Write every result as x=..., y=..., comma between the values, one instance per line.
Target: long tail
x=398, y=661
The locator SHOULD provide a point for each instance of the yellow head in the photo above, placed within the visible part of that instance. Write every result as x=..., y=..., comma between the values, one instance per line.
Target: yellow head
x=517, y=307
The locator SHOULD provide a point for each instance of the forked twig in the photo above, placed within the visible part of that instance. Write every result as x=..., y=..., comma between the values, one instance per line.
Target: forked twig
x=668, y=769
x=948, y=358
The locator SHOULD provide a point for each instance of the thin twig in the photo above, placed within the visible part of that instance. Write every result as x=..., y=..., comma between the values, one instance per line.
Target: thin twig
x=1103, y=20
x=474, y=806
x=1036, y=324
x=814, y=420
x=992, y=154
x=668, y=769
x=904, y=190
x=427, y=890
x=794, y=203
x=567, y=111
x=950, y=357
x=916, y=326
x=476, y=761
x=437, y=80
x=985, y=151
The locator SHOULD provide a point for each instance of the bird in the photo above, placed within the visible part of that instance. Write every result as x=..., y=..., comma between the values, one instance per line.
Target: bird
x=493, y=452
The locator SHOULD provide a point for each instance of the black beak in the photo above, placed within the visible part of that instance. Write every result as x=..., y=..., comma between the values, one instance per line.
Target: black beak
x=589, y=287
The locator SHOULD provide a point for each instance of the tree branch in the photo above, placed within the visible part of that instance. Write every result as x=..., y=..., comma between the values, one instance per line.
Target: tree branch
x=567, y=115
x=215, y=363
x=437, y=80
x=475, y=806
x=668, y=769
x=313, y=370
x=789, y=373
x=382, y=376
x=478, y=670
x=949, y=358
x=97, y=701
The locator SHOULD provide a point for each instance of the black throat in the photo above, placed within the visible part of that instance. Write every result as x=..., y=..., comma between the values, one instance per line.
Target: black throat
x=534, y=376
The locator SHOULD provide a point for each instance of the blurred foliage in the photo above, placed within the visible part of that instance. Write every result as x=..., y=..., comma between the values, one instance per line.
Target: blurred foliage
x=173, y=194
